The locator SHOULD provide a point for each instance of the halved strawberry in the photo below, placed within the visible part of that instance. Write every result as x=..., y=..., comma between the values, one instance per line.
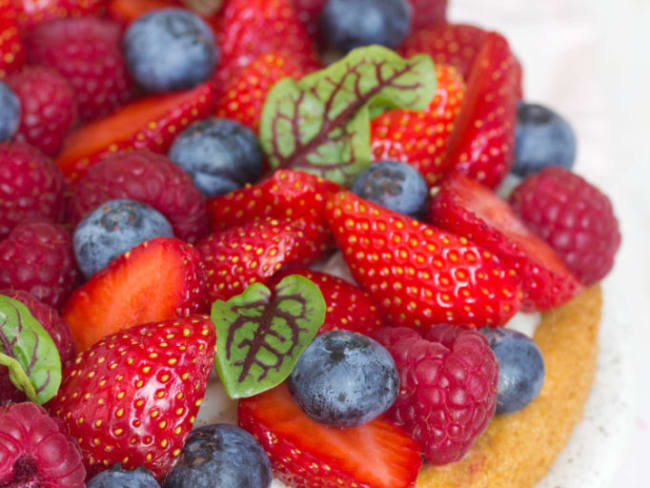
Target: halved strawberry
x=12, y=52
x=469, y=209
x=420, y=138
x=348, y=306
x=307, y=454
x=149, y=123
x=158, y=280
x=419, y=275
x=32, y=13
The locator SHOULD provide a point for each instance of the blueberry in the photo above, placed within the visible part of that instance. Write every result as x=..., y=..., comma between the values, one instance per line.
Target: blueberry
x=347, y=24
x=9, y=112
x=521, y=368
x=112, y=229
x=222, y=456
x=170, y=49
x=542, y=138
x=220, y=154
x=394, y=185
x=344, y=379
x=116, y=477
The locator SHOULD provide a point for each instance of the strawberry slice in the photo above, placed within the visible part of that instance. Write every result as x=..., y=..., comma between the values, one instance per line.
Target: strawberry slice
x=158, y=280
x=420, y=138
x=32, y=13
x=307, y=454
x=418, y=275
x=149, y=123
x=12, y=52
x=469, y=209
x=482, y=143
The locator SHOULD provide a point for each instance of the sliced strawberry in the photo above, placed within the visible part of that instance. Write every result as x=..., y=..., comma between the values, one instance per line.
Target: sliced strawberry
x=419, y=275
x=126, y=11
x=471, y=210
x=348, y=306
x=159, y=280
x=12, y=52
x=149, y=123
x=307, y=454
x=420, y=138
x=482, y=143
x=32, y=13
x=428, y=13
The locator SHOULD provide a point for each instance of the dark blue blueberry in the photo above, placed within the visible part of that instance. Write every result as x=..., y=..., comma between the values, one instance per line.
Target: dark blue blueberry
x=542, y=138
x=344, y=379
x=112, y=229
x=116, y=477
x=521, y=368
x=221, y=155
x=9, y=112
x=347, y=24
x=394, y=185
x=221, y=456
x=170, y=49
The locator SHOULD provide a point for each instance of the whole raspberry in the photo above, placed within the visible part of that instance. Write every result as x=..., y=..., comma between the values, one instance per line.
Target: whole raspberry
x=448, y=387
x=49, y=107
x=35, y=451
x=85, y=51
x=148, y=178
x=38, y=258
x=31, y=186
x=52, y=322
x=574, y=217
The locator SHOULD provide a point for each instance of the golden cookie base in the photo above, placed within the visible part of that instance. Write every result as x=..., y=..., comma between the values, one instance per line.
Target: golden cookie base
x=517, y=450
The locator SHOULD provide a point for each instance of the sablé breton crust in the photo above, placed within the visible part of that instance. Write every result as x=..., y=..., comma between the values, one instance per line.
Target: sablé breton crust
x=517, y=450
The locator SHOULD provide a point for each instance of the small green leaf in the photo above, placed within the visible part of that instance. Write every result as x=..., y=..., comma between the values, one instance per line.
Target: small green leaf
x=28, y=351
x=261, y=334
x=321, y=124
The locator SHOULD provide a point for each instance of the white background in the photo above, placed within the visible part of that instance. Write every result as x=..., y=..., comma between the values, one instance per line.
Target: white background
x=590, y=59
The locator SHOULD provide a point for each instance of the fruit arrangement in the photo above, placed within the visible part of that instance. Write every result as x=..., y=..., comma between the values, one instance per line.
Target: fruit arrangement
x=176, y=182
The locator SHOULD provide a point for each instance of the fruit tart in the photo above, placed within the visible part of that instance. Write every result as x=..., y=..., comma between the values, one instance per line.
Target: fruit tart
x=288, y=242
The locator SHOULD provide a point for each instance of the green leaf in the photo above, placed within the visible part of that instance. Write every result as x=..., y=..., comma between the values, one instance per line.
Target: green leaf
x=29, y=352
x=261, y=334
x=321, y=124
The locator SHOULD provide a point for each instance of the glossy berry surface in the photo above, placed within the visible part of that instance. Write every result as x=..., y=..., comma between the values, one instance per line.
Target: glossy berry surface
x=116, y=477
x=9, y=112
x=347, y=25
x=223, y=456
x=35, y=451
x=521, y=369
x=542, y=138
x=344, y=379
x=394, y=185
x=112, y=229
x=221, y=155
x=448, y=387
x=170, y=49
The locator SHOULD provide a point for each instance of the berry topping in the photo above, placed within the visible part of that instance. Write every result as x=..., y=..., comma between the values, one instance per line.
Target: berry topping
x=428, y=13
x=170, y=49
x=112, y=229
x=448, y=387
x=133, y=397
x=34, y=13
x=12, y=52
x=221, y=455
x=344, y=379
x=10, y=113
x=521, y=369
x=37, y=257
x=49, y=107
x=309, y=12
x=348, y=25
x=148, y=178
x=117, y=477
x=574, y=217
x=31, y=186
x=394, y=185
x=221, y=155
x=159, y=280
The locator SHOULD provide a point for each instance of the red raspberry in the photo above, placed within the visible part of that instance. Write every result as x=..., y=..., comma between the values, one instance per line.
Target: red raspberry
x=86, y=52
x=37, y=257
x=31, y=186
x=574, y=217
x=149, y=178
x=448, y=387
x=49, y=107
x=35, y=451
